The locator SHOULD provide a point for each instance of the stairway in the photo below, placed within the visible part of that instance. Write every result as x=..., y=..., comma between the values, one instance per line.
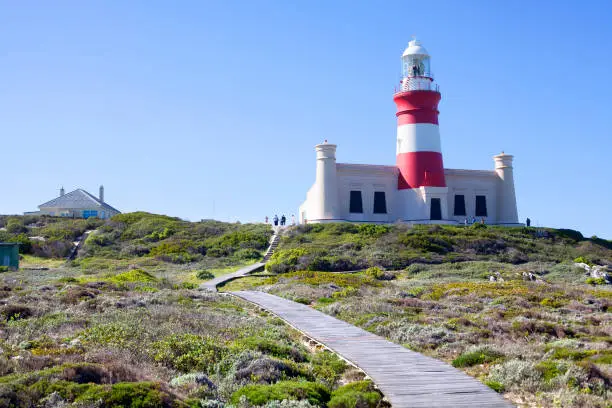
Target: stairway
x=273, y=244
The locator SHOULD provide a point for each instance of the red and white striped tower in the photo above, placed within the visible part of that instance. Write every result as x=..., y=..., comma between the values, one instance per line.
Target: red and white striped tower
x=419, y=153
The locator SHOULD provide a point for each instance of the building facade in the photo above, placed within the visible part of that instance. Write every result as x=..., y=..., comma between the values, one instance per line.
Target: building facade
x=418, y=189
x=77, y=204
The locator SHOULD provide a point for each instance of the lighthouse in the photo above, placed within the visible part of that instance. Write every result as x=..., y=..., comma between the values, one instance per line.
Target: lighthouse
x=417, y=189
x=419, y=152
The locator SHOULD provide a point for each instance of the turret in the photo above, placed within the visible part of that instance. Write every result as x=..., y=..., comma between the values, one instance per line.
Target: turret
x=326, y=186
x=506, y=196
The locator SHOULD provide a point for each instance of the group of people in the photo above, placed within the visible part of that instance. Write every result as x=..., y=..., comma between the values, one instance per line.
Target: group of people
x=472, y=221
x=282, y=221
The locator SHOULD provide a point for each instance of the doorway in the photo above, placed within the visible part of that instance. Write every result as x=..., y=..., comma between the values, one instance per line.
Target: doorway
x=436, y=209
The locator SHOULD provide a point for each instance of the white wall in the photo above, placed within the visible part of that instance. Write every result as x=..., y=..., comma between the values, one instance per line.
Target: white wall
x=471, y=183
x=367, y=179
x=409, y=205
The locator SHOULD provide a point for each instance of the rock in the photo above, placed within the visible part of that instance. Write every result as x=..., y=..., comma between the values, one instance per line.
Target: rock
x=54, y=400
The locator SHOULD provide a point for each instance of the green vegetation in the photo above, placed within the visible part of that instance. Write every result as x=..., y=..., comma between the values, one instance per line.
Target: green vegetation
x=357, y=394
x=345, y=247
x=259, y=394
x=128, y=307
x=479, y=356
x=506, y=305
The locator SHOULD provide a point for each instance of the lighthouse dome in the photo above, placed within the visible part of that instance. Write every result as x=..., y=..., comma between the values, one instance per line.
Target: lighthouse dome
x=415, y=48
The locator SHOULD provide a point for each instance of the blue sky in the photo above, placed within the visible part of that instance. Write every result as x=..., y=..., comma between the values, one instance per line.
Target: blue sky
x=212, y=109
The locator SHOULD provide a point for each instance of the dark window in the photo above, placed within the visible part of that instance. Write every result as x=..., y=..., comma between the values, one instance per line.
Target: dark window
x=356, y=205
x=380, y=202
x=459, y=205
x=436, y=209
x=481, y=206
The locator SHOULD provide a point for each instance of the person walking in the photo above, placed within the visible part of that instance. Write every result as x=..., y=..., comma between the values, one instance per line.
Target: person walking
x=266, y=219
x=283, y=220
x=528, y=222
x=292, y=219
x=275, y=219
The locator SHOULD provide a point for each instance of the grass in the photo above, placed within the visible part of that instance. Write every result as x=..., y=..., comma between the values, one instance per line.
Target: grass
x=31, y=261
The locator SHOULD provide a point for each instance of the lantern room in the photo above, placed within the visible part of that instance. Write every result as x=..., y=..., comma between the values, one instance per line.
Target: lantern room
x=415, y=61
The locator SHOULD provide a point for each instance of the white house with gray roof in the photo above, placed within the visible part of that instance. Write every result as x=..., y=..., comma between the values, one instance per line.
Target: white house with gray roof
x=77, y=204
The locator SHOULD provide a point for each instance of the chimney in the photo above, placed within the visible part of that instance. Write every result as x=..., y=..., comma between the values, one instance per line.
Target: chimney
x=62, y=192
x=101, y=194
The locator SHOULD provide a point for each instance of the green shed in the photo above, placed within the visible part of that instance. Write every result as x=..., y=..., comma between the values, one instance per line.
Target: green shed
x=9, y=254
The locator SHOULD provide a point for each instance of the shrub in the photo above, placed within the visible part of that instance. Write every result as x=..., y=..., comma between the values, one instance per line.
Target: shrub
x=416, y=335
x=15, y=312
x=516, y=373
x=569, y=234
x=133, y=276
x=480, y=355
x=495, y=386
x=328, y=367
x=247, y=254
x=439, y=245
x=265, y=369
x=272, y=348
x=204, y=275
x=582, y=259
x=137, y=395
x=377, y=273
x=596, y=281
x=4, y=268
x=188, y=352
x=258, y=394
x=360, y=394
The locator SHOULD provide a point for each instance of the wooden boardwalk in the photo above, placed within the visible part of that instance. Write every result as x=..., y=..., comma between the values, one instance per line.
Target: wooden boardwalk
x=406, y=378
x=212, y=284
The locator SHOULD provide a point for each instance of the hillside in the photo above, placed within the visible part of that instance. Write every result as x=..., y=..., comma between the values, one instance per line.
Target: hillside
x=124, y=322
x=506, y=305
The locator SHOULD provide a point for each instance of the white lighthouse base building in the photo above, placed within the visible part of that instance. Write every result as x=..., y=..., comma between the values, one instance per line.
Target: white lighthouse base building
x=369, y=193
x=418, y=189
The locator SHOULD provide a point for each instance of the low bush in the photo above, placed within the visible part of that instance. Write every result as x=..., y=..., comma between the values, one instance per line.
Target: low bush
x=188, y=352
x=328, y=367
x=495, y=386
x=257, y=394
x=204, y=275
x=379, y=274
x=596, y=281
x=120, y=395
x=134, y=276
x=15, y=312
x=480, y=355
x=360, y=394
x=516, y=373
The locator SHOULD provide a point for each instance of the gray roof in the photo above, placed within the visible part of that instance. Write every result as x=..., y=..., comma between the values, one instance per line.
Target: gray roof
x=78, y=198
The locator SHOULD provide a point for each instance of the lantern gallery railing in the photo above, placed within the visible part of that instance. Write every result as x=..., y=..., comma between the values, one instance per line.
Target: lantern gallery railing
x=417, y=84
